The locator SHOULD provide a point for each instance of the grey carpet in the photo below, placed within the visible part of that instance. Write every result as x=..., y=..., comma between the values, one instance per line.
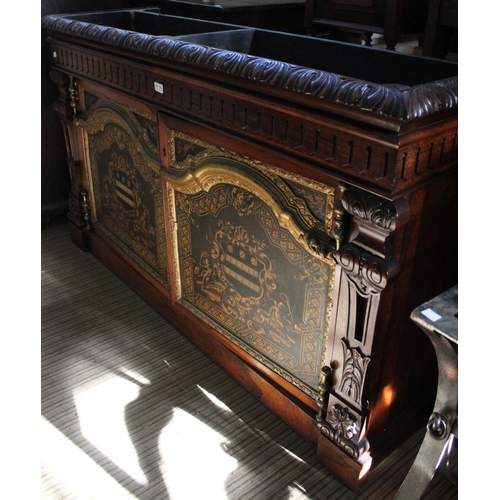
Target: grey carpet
x=131, y=409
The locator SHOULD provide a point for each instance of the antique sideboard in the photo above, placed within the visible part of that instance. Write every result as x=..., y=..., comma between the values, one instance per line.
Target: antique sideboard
x=284, y=201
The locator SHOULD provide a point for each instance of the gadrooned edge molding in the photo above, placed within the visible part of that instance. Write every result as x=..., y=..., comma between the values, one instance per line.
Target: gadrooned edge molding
x=399, y=102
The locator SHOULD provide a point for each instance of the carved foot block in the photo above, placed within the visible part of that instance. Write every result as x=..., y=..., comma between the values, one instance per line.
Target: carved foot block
x=352, y=472
x=78, y=236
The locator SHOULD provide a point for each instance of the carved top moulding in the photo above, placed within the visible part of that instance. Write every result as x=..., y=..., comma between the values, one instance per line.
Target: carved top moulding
x=384, y=88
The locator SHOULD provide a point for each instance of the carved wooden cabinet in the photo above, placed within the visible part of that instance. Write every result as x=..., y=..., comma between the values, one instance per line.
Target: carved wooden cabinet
x=284, y=210
x=391, y=18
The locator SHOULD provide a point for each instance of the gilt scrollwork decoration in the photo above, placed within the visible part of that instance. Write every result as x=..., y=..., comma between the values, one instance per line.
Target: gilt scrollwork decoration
x=244, y=262
x=318, y=245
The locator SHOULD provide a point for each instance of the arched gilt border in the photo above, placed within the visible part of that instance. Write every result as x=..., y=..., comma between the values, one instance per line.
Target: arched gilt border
x=404, y=103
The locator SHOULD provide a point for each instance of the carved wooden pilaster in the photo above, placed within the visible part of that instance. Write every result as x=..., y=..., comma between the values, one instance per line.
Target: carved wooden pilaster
x=61, y=106
x=366, y=265
x=65, y=106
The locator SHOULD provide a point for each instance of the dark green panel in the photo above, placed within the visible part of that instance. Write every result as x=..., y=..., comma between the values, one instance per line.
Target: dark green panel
x=252, y=279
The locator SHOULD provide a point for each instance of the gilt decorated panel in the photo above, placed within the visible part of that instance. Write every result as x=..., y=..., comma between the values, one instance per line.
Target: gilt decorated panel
x=243, y=262
x=122, y=148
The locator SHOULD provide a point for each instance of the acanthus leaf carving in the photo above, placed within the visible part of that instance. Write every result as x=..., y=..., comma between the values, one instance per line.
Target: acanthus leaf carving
x=354, y=371
x=395, y=101
x=370, y=208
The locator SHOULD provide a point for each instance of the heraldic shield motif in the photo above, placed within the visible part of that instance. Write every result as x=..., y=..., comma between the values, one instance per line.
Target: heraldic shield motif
x=126, y=183
x=243, y=266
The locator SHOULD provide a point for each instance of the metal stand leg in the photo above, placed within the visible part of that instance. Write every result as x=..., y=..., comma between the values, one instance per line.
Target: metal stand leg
x=442, y=428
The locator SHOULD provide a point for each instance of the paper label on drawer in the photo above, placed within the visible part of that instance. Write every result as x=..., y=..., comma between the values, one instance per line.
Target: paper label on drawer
x=430, y=314
x=159, y=87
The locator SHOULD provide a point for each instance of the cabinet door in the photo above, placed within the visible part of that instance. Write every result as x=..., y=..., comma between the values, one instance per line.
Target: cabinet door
x=241, y=231
x=121, y=145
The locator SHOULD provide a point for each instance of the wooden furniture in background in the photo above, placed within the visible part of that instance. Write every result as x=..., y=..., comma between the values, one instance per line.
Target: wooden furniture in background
x=441, y=27
x=284, y=210
x=391, y=18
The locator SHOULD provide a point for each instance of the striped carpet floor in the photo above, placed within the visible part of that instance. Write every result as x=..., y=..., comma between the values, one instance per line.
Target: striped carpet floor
x=132, y=410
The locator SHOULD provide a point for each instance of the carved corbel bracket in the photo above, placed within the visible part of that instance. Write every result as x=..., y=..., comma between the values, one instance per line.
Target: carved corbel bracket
x=373, y=220
x=62, y=106
x=367, y=263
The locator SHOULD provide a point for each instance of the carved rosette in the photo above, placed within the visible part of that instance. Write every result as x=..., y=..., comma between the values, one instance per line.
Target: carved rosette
x=342, y=427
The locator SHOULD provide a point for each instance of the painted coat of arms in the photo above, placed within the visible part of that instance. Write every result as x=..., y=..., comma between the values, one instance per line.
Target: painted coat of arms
x=243, y=268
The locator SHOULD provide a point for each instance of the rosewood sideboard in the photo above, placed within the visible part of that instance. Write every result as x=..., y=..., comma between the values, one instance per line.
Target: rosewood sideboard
x=284, y=201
